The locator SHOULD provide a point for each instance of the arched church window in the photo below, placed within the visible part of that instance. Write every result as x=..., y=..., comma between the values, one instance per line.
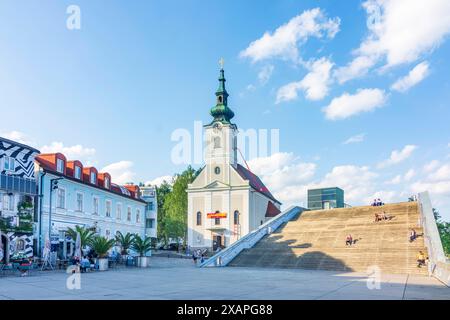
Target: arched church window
x=217, y=170
x=199, y=218
x=236, y=217
x=216, y=142
x=220, y=100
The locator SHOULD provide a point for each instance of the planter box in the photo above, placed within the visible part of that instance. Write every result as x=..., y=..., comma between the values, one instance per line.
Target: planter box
x=102, y=264
x=143, y=262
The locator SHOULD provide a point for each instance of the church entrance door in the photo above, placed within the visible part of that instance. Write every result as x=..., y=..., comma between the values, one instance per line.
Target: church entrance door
x=217, y=242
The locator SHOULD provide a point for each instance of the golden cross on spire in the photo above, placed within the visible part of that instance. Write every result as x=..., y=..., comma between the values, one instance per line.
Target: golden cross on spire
x=221, y=63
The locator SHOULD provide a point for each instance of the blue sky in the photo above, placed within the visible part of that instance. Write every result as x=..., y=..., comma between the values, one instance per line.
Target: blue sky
x=112, y=92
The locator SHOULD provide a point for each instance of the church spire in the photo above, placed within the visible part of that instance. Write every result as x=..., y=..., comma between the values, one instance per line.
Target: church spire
x=220, y=111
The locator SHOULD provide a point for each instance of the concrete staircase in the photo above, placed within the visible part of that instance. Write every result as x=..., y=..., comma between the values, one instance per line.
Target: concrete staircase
x=316, y=240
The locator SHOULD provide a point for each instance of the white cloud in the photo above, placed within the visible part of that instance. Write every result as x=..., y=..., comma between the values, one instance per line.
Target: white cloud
x=410, y=174
x=76, y=152
x=398, y=156
x=416, y=75
x=355, y=139
x=265, y=73
x=440, y=174
x=357, y=68
x=315, y=83
x=121, y=172
x=431, y=166
x=347, y=105
x=436, y=188
x=159, y=180
x=284, y=41
x=357, y=181
x=396, y=180
x=288, y=92
x=17, y=136
x=282, y=172
x=400, y=31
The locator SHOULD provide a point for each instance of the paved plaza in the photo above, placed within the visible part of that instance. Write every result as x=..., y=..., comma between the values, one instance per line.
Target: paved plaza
x=179, y=279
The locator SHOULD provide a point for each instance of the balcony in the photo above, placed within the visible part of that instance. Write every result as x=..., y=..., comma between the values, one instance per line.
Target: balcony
x=12, y=183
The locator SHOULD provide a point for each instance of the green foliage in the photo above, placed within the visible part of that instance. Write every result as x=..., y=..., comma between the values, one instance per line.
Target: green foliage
x=176, y=204
x=86, y=235
x=141, y=245
x=444, y=231
x=125, y=241
x=101, y=245
x=162, y=192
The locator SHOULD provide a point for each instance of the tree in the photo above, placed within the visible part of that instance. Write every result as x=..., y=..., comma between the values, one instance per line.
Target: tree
x=176, y=205
x=125, y=241
x=86, y=235
x=141, y=245
x=444, y=231
x=161, y=193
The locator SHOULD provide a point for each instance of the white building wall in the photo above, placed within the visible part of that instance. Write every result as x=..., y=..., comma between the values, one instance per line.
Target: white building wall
x=69, y=216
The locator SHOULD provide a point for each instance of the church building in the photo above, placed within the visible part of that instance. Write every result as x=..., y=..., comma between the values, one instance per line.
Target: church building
x=226, y=201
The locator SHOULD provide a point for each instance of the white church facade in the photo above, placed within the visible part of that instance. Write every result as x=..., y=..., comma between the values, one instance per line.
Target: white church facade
x=226, y=201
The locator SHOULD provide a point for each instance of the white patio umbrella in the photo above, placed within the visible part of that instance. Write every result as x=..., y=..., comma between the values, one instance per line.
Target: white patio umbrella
x=47, y=247
x=46, y=253
x=1, y=247
x=77, y=253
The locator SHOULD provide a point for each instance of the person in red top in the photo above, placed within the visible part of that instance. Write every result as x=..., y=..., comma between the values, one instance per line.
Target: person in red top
x=349, y=240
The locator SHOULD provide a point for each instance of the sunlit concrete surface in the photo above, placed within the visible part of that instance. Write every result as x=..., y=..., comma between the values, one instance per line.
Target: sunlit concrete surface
x=179, y=279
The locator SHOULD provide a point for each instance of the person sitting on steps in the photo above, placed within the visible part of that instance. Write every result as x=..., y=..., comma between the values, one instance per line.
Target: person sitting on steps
x=377, y=217
x=412, y=235
x=349, y=240
x=420, y=259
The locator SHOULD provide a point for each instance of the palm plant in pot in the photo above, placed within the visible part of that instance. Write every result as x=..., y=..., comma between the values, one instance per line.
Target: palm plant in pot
x=86, y=235
x=101, y=246
x=142, y=246
x=125, y=242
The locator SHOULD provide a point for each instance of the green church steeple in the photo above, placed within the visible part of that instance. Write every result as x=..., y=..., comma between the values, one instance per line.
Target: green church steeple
x=220, y=111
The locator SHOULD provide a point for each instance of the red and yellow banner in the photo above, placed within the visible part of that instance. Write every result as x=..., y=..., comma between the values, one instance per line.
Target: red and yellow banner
x=215, y=215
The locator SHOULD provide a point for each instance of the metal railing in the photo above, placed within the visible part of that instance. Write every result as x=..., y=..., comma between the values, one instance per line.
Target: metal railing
x=12, y=183
x=225, y=256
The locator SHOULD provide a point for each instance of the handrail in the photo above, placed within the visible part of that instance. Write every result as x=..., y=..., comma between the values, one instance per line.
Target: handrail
x=225, y=256
x=438, y=265
x=431, y=233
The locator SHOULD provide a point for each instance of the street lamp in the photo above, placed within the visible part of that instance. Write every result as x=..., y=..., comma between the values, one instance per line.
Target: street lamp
x=53, y=186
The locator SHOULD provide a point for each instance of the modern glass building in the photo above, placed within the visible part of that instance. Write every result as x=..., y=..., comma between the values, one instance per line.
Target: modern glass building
x=325, y=198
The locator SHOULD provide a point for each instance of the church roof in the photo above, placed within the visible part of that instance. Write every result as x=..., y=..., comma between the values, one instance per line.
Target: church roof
x=255, y=182
x=272, y=211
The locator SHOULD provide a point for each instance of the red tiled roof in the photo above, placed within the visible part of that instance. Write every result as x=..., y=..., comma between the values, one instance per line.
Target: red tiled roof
x=272, y=210
x=48, y=163
x=255, y=182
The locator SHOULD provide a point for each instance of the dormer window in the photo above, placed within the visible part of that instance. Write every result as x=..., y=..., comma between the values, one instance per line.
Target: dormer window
x=93, y=177
x=107, y=184
x=77, y=172
x=60, y=165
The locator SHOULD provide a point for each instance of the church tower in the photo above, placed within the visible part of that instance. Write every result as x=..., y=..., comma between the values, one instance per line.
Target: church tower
x=221, y=136
x=226, y=201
